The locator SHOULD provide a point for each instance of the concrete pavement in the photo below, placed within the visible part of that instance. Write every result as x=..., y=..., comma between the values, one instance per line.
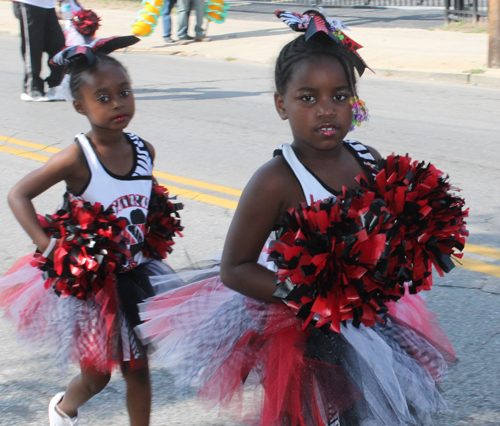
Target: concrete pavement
x=410, y=53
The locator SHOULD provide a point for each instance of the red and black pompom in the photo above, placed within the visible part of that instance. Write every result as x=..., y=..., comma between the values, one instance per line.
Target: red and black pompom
x=86, y=22
x=326, y=252
x=91, y=249
x=427, y=221
x=343, y=258
x=162, y=225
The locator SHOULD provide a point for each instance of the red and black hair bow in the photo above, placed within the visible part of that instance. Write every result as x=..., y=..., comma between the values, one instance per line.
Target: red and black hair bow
x=312, y=22
x=87, y=51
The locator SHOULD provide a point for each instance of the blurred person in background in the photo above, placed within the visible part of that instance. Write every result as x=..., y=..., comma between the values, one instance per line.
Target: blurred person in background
x=184, y=8
x=167, y=21
x=40, y=32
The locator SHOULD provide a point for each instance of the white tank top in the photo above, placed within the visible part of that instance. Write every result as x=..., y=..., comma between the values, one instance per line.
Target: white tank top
x=127, y=195
x=313, y=189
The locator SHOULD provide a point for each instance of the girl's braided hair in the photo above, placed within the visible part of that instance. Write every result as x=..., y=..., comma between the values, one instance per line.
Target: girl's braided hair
x=77, y=69
x=318, y=45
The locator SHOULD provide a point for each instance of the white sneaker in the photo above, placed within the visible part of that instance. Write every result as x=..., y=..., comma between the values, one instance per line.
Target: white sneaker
x=58, y=418
x=34, y=97
x=51, y=95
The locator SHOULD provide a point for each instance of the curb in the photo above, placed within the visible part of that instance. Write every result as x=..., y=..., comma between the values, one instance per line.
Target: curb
x=484, y=80
x=457, y=78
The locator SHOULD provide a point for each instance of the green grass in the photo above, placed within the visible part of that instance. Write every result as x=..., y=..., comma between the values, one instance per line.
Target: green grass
x=474, y=71
x=464, y=27
x=478, y=30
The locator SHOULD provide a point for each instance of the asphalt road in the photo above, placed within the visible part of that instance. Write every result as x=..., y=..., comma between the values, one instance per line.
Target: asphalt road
x=215, y=122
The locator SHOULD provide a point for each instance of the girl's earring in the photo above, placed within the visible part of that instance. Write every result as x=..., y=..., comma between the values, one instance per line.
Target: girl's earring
x=359, y=112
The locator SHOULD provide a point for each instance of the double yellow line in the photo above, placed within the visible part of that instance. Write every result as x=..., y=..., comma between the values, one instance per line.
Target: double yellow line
x=476, y=266
x=38, y=152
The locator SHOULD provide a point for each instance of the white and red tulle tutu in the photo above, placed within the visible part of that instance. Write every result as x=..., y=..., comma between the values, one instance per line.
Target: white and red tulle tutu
x=98, y=333
x=256, y=359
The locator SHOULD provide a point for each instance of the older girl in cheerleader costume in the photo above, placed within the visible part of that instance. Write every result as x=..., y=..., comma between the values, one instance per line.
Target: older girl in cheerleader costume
x=340, y=350
x=79, y=293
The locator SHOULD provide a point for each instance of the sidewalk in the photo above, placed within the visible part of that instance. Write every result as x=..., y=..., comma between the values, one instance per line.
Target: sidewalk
x=400, y=52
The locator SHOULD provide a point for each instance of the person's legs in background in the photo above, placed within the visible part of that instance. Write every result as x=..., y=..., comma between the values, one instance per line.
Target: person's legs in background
x=200, y=14
x=31, y=19
x=183, y=10
x=167, y=21
x=54, y=43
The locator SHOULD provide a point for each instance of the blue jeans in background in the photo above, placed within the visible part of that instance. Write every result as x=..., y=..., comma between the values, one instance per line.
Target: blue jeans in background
x=167, y=20
x=184, y=7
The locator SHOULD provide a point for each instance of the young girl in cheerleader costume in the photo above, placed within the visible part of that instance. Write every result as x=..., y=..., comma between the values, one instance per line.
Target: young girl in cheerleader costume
x=339, y=350
x=79, y=293
x=81, y=24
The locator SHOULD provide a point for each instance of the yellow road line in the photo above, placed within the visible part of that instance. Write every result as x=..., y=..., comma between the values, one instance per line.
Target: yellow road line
x=32, y=145
x=24, y=153
x=204, y=198
x=198, y=183
x=167, y=176
x=483, y=251
x=484, y=268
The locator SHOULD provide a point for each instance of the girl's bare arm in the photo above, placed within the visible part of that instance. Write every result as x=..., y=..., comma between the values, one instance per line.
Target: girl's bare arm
x=64, y=165
x=259, y=209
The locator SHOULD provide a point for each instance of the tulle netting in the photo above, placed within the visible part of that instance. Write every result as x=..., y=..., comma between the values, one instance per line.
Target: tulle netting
x=94, y=333
x=256, y=359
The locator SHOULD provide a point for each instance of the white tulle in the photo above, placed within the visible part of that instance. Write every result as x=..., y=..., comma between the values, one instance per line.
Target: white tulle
x=208, y=319
x=72, y=329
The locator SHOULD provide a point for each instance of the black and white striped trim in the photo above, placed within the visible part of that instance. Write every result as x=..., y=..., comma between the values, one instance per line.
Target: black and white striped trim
x=362, y=152
x=144, y=166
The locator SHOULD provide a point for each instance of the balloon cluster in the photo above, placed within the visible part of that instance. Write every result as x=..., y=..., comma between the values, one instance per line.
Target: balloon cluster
x=148, y=17
x=344, y=258
x=216, y=10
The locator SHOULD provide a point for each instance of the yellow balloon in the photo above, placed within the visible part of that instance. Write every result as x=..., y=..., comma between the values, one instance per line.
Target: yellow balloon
x=149, y=18
x=152, y=9
x=141, y=28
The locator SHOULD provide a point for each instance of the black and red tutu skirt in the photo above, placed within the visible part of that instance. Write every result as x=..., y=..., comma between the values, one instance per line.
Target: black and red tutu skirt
x=97, y=332
x=257, y=359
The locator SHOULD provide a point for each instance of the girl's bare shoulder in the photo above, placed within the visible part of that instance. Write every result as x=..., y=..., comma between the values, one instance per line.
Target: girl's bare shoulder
x=67, y=159
x=69, y=165
x=274, y=178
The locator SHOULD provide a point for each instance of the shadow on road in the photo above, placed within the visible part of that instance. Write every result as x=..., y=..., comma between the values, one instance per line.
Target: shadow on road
x=189, y=94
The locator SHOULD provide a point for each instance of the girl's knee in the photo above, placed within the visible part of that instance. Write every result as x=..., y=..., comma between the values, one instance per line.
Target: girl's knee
x=95, y=383
x=138, y=377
